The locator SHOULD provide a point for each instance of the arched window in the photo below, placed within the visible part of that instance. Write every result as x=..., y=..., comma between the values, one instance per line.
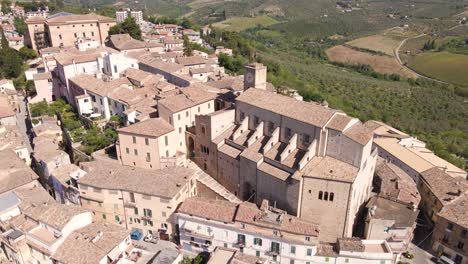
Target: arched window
x=320, y=195
x=325, y=197
x=332, y=195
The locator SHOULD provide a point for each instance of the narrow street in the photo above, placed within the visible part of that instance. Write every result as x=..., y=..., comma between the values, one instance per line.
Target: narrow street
x=23, y=126
x=420, y=256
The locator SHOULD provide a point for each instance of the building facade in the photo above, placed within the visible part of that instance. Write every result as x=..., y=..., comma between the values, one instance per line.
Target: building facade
x=65, y=29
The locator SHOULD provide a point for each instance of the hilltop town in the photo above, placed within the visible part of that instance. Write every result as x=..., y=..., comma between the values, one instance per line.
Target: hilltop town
x=148, y=151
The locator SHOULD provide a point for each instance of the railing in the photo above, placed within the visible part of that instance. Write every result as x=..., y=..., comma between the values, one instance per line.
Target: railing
x=239, y=244
x=192, y=233
x=272, y=252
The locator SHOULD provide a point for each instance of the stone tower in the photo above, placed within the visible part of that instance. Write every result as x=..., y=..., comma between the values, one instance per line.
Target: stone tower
x=255, y=76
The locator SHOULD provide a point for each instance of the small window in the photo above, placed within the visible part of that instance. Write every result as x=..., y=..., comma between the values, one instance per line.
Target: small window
x=180, y=130
x=134, y=139
x=186, y=114
x=325, y=196
x=60, y=36
x=178, y=117
x=167, y=153
x=115, y=68
x=146, y=141
x=332, y=196
x=58, y=26
x=104, y=216
x=127, y=150
x=198, y=109
x=309, y=252
x=450, y=226
x=293, y=250
x=163, y=214
x=209, y=105
x=92, y=33
x=346, y=260
x=76, y=35
x=135, y=211
x=166, y=140
x=460, y=245
x=135, y=151
x=148, y=157
x=291, y=261
x=320, y=196
x=307, y=238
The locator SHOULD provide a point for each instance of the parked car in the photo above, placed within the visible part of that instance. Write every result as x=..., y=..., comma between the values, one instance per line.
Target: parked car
x=136, y=235
x=445, y=260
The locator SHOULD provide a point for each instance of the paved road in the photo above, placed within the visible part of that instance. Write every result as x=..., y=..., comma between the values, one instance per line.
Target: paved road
x=420, y=256
x=23, y=126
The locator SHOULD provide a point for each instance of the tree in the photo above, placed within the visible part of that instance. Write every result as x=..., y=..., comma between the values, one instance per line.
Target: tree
x=128, y=26
x=188, y=51
x=20, y=26
x=4, y=44
x=11, y=64
x=186, y=23
x=27, y=53
x=6, y=6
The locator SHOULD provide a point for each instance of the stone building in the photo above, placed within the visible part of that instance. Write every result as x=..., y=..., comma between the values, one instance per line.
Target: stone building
x=65, y=29
x=392, y=221
x=450, y=235
x=310, y=160
x=135, y=198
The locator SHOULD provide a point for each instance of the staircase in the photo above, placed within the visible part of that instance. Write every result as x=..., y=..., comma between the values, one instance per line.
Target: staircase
x=211, y=183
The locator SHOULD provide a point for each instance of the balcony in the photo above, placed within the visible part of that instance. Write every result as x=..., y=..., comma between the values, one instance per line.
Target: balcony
x=272, y=252
x=239, y=244
x=195, y=234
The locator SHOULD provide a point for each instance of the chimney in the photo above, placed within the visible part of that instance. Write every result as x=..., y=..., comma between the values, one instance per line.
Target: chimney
x=264, y=206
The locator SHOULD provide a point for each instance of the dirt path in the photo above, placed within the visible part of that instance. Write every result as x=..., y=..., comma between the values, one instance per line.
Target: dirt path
x=396, y=52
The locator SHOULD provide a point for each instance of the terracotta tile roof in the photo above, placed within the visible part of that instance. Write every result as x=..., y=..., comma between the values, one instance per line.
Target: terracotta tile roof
x=406, y=156
x=73, y=55
x=43, y=76
x=230, y=83
x=359, y=133
x=14, y=172
x=396, y=183
x=151, y=61
x=153, y=127
x=230, y=151
x=339, y=122
x=330, y=168
x=126, y=42
x=90, y=244
x=274, y=171
x=326, y=250
x=74, y=19
x=217, y=210
x=445, y=188
x=306, y=112
x=456, y=212
x=6, y=111
x=249, y=213
x=163, y=183
x=37, y=204
x=186, y=98
x=188, y=61
x=351, y=244
x=35, y=20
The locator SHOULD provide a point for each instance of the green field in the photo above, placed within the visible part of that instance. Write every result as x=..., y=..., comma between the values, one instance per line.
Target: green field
x=243, y=23
x=443, y=66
